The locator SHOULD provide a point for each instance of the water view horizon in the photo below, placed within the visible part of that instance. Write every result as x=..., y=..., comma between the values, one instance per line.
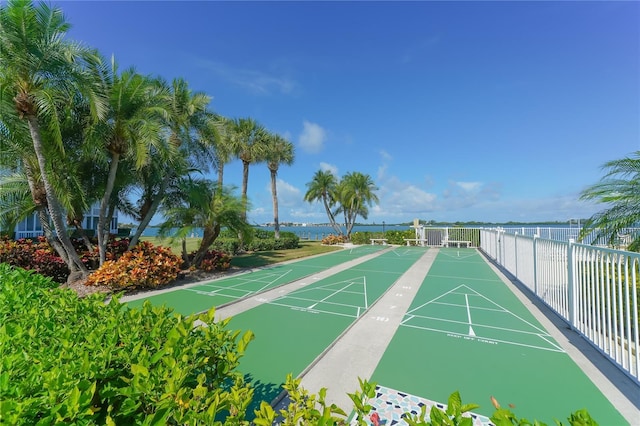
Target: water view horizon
x=314, y=231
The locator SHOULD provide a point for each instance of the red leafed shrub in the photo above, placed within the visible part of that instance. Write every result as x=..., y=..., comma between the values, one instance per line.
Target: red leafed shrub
x=331, y=239
x=35, y=255
x=215, y=261
x=145, y=266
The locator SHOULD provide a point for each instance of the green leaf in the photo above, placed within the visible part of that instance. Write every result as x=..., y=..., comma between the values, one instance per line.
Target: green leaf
x=454, y=405
x=138, y=369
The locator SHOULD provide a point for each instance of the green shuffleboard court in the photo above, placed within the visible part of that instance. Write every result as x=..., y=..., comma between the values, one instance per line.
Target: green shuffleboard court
x=466, y=331
x=201, y=297
x=292, y=330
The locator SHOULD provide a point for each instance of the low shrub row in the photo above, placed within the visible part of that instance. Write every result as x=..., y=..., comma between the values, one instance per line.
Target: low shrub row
x=393, y=237
x=331, y=240
x=67, y=360
x=261, y=240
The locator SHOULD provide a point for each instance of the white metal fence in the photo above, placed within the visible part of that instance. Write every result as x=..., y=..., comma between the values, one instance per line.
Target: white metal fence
x=594, y=289
x=559, y=233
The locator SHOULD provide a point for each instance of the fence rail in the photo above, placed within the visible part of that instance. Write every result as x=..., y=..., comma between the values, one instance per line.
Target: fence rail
x=594, y=289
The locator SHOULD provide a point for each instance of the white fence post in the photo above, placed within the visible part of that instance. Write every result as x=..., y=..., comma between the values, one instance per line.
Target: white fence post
x=535, y=264
x=572, y=291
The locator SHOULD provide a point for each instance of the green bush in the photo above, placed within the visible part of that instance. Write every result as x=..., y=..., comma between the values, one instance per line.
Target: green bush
x=227, y=245
x=393, y=237
x=262, y=240
x=81, y=361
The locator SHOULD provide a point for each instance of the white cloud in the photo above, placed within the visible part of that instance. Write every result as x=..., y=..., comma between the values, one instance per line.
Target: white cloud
x=469, y=186
x=329, y=167
x=288, y=195
x=254, y=81
x=312, y=137
x=385, y=155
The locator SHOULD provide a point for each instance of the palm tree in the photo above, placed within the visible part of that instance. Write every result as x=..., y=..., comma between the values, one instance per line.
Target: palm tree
x=199, y=205
x=619, y=189
x=279, y=151
x=356, y=192
x=182, y=117
x=41, y=69
x=250, y=147
x=131, y=128
x=217, y=133
x=323, y=188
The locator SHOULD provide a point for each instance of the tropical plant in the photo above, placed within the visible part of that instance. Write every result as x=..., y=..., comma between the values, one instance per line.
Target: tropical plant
x=619, y=189
x=200, y=205
x=323, y=187
x=182, y=117
x=41, y=71
x=131, y=128
x=279, y=151
x=250, y=147
x=356, y=191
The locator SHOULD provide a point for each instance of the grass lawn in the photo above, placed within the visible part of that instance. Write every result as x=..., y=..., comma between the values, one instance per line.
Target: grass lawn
x=254, y=259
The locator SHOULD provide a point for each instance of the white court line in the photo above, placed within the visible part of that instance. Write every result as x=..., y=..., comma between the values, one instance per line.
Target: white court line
x=329, y=286
x=432, y=300
x=539, y=332
x=471, y=332
x=366, y=299
x=488, y=339
x=374, y=271
x=493, y=280
x=405, y=252
x=493, y=327
x=331, y=295
x=477, y=308
x=244, y=282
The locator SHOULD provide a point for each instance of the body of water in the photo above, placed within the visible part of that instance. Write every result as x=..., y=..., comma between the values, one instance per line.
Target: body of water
x=316, y=232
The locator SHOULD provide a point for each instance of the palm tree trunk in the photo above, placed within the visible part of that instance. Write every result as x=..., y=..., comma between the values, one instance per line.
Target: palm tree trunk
x=55, y=212
x=245, y=183
x=155, y=204
x=101, y=231
x=220, y=175
x=274, y=195
x=42, y=210
x=185, y=255
x=208, y=237
x=332, y=219
x=48, y=234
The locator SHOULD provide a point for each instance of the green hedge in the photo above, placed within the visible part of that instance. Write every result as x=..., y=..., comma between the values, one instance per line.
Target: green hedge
x=393, y=237
x=262, y=240
x=81, y=361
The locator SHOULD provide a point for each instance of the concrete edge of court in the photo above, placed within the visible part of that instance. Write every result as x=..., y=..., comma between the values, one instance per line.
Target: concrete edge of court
x=618, y=388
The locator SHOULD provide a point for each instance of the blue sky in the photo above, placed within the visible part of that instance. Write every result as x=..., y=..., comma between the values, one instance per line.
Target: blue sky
x=459, y=111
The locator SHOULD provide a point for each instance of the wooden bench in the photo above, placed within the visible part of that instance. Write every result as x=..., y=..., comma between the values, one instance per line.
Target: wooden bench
x=457, y=243
x=415, y=240
x=382, y=241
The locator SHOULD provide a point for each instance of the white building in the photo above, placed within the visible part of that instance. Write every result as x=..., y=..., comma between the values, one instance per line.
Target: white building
x=31, y=226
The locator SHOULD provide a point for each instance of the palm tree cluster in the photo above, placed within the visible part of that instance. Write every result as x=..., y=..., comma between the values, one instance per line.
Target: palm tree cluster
x=619, y=190
x=350, y=196
x=75, y=131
